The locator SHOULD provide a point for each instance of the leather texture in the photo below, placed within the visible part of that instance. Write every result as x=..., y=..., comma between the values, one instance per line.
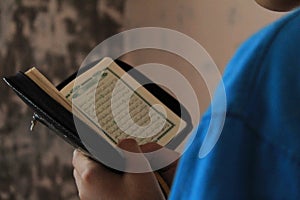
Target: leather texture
x=61, y=121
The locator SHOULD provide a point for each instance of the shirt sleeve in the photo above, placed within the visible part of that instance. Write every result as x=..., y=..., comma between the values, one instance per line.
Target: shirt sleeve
x=257, y=154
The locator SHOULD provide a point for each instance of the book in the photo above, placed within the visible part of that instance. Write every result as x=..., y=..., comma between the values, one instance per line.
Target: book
x=86, y=98
x=106, y=103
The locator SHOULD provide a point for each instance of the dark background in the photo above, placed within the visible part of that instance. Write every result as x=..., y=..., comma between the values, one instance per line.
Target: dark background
x=55, y=36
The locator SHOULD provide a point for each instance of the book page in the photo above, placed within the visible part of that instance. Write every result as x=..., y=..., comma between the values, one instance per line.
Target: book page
x=48, y=87
x=121, y=108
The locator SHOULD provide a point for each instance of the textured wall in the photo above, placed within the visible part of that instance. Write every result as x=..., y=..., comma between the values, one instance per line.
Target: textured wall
x=56, y=35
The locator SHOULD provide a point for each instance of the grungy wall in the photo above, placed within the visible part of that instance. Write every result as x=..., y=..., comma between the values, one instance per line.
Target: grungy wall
x=56, y=35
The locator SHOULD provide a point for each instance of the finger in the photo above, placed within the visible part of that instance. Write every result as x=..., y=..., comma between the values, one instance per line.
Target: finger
x=135, y=159
x=81, y=162
x=162, y=159
x=80, y=186
x=150, y=147
x=86, y=168
x=92, y=172
x=77, y=178
x=136, y=163
x=130, y=145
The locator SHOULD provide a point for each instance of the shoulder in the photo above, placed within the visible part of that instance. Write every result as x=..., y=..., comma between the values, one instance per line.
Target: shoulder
x=264, y=52
x=262, y=84
x=259, y=143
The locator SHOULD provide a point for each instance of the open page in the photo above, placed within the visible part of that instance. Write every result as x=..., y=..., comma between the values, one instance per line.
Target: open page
x=119, y=107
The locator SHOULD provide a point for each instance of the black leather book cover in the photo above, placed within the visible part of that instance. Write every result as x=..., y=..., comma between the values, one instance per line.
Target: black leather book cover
x=61, y=121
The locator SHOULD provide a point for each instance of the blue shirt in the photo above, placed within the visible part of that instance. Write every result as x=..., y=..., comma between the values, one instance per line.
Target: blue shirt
x=258, y=153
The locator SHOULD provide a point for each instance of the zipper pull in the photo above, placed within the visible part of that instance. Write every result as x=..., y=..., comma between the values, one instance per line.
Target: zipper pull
x=32, y=123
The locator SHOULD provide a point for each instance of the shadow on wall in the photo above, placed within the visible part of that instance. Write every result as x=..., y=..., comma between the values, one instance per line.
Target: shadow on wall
x=55, y=36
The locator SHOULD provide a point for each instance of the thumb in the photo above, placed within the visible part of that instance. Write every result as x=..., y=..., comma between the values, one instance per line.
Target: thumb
x=140, y=173
x=135, y=161
x=129, y=145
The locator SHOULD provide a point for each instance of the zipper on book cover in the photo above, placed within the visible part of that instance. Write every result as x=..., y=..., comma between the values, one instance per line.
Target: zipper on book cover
x=33, y=122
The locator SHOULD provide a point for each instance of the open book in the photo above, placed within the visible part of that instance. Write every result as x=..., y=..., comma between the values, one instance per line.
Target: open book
x=106, y=101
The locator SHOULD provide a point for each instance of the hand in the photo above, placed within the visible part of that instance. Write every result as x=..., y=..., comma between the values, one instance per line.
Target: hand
x=95, y=181
x=164, y=156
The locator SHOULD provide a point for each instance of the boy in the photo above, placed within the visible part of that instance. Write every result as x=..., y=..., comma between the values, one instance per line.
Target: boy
x=257, y=156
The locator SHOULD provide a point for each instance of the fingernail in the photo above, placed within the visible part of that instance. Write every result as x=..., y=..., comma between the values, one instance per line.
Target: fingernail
x=75, y=152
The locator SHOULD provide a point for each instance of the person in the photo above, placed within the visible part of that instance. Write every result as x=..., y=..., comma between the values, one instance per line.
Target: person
x=257, y=155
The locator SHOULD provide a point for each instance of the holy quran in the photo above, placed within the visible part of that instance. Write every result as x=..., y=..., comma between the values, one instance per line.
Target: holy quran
x=109, y=101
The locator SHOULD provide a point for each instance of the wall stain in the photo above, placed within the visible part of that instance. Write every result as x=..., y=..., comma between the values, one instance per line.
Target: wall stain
x=55, y=36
